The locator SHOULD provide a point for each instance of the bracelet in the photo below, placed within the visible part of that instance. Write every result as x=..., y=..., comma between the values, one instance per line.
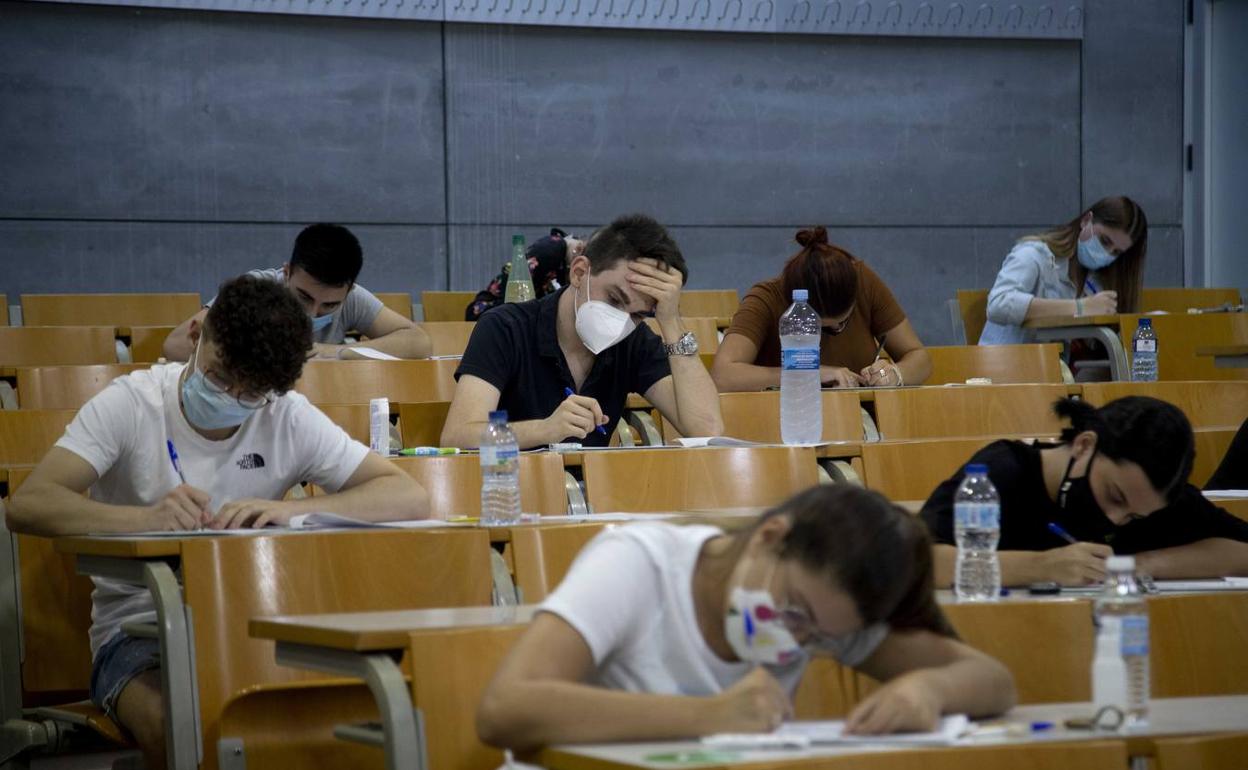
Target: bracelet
x=897, y=371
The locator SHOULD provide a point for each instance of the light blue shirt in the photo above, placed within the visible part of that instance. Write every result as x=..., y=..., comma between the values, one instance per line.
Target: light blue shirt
x=1030, y=270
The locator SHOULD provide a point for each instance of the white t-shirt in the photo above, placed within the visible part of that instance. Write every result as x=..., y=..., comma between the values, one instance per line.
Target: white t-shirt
x=630, y=596
x=356, y=313
x=122, y=434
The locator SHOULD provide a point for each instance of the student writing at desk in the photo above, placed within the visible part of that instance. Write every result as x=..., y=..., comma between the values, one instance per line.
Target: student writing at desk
x=1117, y=483
x=562, y=366
x=1092, y=265
x=661, y=631
x=321, y=273
x=856, y=309
x=240, y=440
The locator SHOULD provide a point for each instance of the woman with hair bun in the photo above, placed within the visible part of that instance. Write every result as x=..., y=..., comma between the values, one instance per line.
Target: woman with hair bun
x=857, y=310
x=1116, y=482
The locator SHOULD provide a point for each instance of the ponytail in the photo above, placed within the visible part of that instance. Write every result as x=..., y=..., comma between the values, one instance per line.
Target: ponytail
x=828, y=272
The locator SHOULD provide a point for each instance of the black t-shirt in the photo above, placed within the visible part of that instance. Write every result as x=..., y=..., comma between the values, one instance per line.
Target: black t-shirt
x=515, y=348
x=1026, y=510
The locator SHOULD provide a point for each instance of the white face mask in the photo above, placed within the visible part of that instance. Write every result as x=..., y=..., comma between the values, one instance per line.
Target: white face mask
x=755, y=628
x=599, y=325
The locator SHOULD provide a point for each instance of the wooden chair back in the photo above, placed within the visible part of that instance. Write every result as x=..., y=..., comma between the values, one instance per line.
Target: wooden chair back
x=543, y=555
x=353, y=418
x=450, y=671
x=1237, y=508
x=66, y=387
x=147, y=343
x=659, y=480
x=421, y=424
x=108, y=309
x=4, y=310
x=445, y=305
x=1197, y=644
x=911, y=470
x=26, y=435
x=709, y=303
x=229, y=580
x=57, y=346
x=973, y=307
x=827, y=690
x=1211, y=446
x=1206, y=752
x=356, y=382
x=988, y=410
x=1179, y=300
x=1003, y=364
x=756, y=416
x=1178, y=337
x=398, y=301
x=454, y=483
x=449, y=338
x=1207, y=404
x=705, y=330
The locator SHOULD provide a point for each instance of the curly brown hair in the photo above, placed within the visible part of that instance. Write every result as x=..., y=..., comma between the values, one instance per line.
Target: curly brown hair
x=262, y=334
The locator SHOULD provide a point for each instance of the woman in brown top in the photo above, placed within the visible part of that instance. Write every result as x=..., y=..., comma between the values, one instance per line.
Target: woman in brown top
x=858, y=312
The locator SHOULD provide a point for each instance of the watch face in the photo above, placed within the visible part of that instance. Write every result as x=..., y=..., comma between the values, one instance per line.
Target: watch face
x=687, y=345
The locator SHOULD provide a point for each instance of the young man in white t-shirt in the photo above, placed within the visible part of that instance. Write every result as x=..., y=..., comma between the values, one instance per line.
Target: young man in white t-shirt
x=323, y=267
x=242, y=440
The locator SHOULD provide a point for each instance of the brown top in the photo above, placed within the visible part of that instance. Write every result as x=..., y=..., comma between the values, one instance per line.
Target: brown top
x=875, y=312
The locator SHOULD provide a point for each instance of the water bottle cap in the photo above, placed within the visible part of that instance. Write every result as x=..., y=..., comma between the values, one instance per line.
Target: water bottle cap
x=498, y=416
x=800, y=295
x=1120, y=564
x=1146, y=322
x=977, y=469
x=517, y=240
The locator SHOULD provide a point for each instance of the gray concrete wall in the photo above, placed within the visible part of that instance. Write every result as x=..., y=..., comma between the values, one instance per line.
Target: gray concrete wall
x=165, y=150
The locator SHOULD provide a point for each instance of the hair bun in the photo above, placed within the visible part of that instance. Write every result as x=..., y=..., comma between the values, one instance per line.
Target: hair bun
x=807, y=238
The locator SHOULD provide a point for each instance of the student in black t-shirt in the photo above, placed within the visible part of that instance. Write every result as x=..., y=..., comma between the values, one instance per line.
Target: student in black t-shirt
x=562, y=366
x=1117, y=483
x=1232, y=472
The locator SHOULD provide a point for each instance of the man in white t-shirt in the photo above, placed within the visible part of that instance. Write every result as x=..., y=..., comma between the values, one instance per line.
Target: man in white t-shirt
x=322, y=270
x=241, y=439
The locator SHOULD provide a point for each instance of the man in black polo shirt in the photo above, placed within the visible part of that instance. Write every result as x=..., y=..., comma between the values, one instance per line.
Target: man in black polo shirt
x=562, y=366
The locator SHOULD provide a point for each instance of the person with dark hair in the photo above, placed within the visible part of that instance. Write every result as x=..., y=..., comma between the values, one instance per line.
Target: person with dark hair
x=858, y=313
x=1092, y=265
x=1116, y=482
x=323, y=267
x=213, y=443
x=548, y=268
x=562, y=366
x=711, y=630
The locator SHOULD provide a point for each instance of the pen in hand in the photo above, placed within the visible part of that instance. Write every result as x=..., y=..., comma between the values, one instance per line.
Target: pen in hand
x=177, y=466
x=878, y=350
x=1056, y=529
x=568, y=392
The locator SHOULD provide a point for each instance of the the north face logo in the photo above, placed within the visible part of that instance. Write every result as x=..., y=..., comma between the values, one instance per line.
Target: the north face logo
x=251, y=461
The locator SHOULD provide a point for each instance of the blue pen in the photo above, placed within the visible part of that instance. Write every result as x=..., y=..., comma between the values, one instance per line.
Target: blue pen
x=570, y=392
x=1063, y=534
x=1090, y=286
x=173, y=458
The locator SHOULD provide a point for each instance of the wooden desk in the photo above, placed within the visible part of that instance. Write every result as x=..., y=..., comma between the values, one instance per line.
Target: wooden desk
x=1169, y=717
x=1103, y=328
x=1226, y=356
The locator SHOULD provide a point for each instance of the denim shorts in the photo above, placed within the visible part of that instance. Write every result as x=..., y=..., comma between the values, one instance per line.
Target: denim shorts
x=121, y=659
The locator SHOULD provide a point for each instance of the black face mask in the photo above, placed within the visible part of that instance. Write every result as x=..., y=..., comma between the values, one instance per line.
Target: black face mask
x=1074, y=496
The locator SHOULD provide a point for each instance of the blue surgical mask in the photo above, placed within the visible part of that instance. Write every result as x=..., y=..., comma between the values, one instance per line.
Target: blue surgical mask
x=322, y=321
x=208, y=408
x=1092, y=254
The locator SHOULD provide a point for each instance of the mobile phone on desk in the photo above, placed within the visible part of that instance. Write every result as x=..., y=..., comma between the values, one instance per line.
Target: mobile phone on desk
x=1044, y=588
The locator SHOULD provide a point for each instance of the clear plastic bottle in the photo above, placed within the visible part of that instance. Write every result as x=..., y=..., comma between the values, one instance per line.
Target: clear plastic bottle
x=519, y=279
x=1144, y=352
x=977, y=529
x=500, y=473
x=801, y=405
x=379, y=426
x=1122, y=627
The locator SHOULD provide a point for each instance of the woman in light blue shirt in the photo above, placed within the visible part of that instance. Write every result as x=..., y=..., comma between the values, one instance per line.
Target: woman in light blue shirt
x=1039, y=278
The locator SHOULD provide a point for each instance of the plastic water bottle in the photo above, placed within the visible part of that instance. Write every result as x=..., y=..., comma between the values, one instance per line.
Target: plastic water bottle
x=977, y=528
x=379, y=426
x=1144, y=353
x=500, y=473
x=519, y=279
x=1120, y=674
x=801, y=405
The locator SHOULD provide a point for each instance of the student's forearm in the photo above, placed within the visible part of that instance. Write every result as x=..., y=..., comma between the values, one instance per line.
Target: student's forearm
x=1213, y=557
x=734, y=377
x=1017, y=567
x=697, y=400
x=1049, y=308
x=978, y=686
x=915, y=366
x=536, y=714
x=529, y=434
x=177, y=345
x=403, y=343
x=51, y=510
x=385, y=498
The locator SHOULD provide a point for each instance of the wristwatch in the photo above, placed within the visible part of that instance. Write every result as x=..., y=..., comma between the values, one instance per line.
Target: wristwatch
x=687, y=345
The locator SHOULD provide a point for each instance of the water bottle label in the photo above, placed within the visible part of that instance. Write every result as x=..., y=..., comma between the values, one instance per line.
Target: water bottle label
x=493, y=455
x=1135, y=635
x=1146, y=346
x=801, y=359
x=977, y=515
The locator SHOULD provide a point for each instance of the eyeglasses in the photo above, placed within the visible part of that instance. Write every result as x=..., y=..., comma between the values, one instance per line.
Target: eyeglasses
x=832, y=331
x=799, y=623
x=245, y=400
